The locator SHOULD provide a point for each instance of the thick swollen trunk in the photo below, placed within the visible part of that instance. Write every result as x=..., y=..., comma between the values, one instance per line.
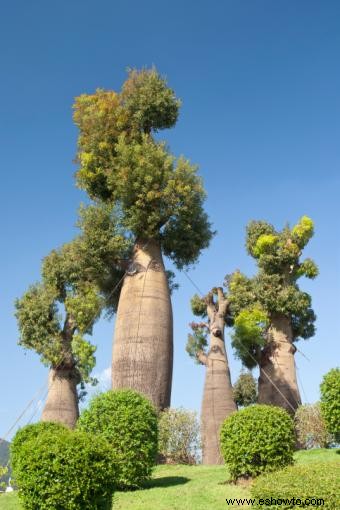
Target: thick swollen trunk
x=142, y=356
x=62, y=400
x=218, y=402
x=277, y=381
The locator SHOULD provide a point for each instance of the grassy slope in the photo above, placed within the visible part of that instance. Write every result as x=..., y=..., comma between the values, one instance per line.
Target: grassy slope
x=184, y=488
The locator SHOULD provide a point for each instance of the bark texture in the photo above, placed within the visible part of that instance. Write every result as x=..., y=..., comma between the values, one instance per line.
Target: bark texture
x=277, y=361
x=142, y=356
x=62, y=400
x=218, y=402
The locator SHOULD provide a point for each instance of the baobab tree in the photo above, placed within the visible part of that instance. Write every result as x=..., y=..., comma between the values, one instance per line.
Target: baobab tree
x=160, y=202
x=270, y=311
x=207, y=346
x=55, y=314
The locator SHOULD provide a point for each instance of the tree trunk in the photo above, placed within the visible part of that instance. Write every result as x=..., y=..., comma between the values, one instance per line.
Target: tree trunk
x=62, y=400
x=277, y=362
x=142, y=356
x=218, y=402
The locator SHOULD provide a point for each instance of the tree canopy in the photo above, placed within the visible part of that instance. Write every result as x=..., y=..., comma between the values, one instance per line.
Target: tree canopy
x=157, y=195
x=55, y=314
x=274, y=290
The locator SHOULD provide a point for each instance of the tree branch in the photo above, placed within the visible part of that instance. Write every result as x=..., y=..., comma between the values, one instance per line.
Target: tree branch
x=211, y=307
x=223, y=302
x=202, y=357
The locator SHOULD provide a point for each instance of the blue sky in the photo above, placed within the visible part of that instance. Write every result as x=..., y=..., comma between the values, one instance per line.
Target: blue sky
x=260, y=85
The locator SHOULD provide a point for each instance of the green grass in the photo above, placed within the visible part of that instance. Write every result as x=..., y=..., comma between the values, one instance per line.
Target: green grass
x=184, y=487
x=9, y=501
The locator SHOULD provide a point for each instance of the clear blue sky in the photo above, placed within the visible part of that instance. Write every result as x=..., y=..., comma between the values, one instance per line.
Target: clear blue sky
x=260, y=84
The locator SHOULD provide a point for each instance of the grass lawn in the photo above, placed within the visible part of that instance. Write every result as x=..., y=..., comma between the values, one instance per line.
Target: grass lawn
x=184, y=488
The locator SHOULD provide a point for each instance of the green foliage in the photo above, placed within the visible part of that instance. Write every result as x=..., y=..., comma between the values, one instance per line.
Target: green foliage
x=197, y=341
x=264, y=244
x=198, y=306
x=256, y=229
x=128, y=422
x=308, y=268
x=158, y=196
x=31, y=432
x=257, y=439
x=250, y=327
x=310, y=427
x=150, y=103
x=196, y=487
x=170, y=275
x=307, y=483
x=103, y=249
x=178, y=440
x=330, y=401
x=274, y=289
x=245, y=390
x=303, y=231
x=77, y=281
x=38, y=321
x=57, y=468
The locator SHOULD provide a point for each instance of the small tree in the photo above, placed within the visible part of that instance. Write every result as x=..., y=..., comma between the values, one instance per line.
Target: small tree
x=128, y=421
x=160, y=200
x=245, y=390
x=330, y=401
x=270, y=311
x=55, y=315
x=310, y=427
x=217, y=402
x=178, y=437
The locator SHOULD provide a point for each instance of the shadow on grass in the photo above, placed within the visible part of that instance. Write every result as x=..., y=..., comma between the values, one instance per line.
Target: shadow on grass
x=166, y=481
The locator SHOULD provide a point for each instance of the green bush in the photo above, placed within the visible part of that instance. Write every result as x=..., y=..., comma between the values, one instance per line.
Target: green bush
x=256, y=439
x=310, y=427
x=178, y=440
x=62, y=469
x=28, y=432
x=330, y=401
x=319, y=480
x=128, y=421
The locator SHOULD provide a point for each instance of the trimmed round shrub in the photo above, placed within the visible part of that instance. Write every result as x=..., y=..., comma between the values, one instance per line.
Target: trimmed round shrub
x=330, y=401
x=307, y=483
x=128, y=421
x=310, y=427
x=178, y=437
x=28, y=432
x=62, y=469
x=256, y=439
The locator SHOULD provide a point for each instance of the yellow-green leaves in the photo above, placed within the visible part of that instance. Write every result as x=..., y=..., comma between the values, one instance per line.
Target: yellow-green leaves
x=251, y=324
x=83, y=352
x=274, y=289
x=84, y=306
x=265, y=244
x=303, y=231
